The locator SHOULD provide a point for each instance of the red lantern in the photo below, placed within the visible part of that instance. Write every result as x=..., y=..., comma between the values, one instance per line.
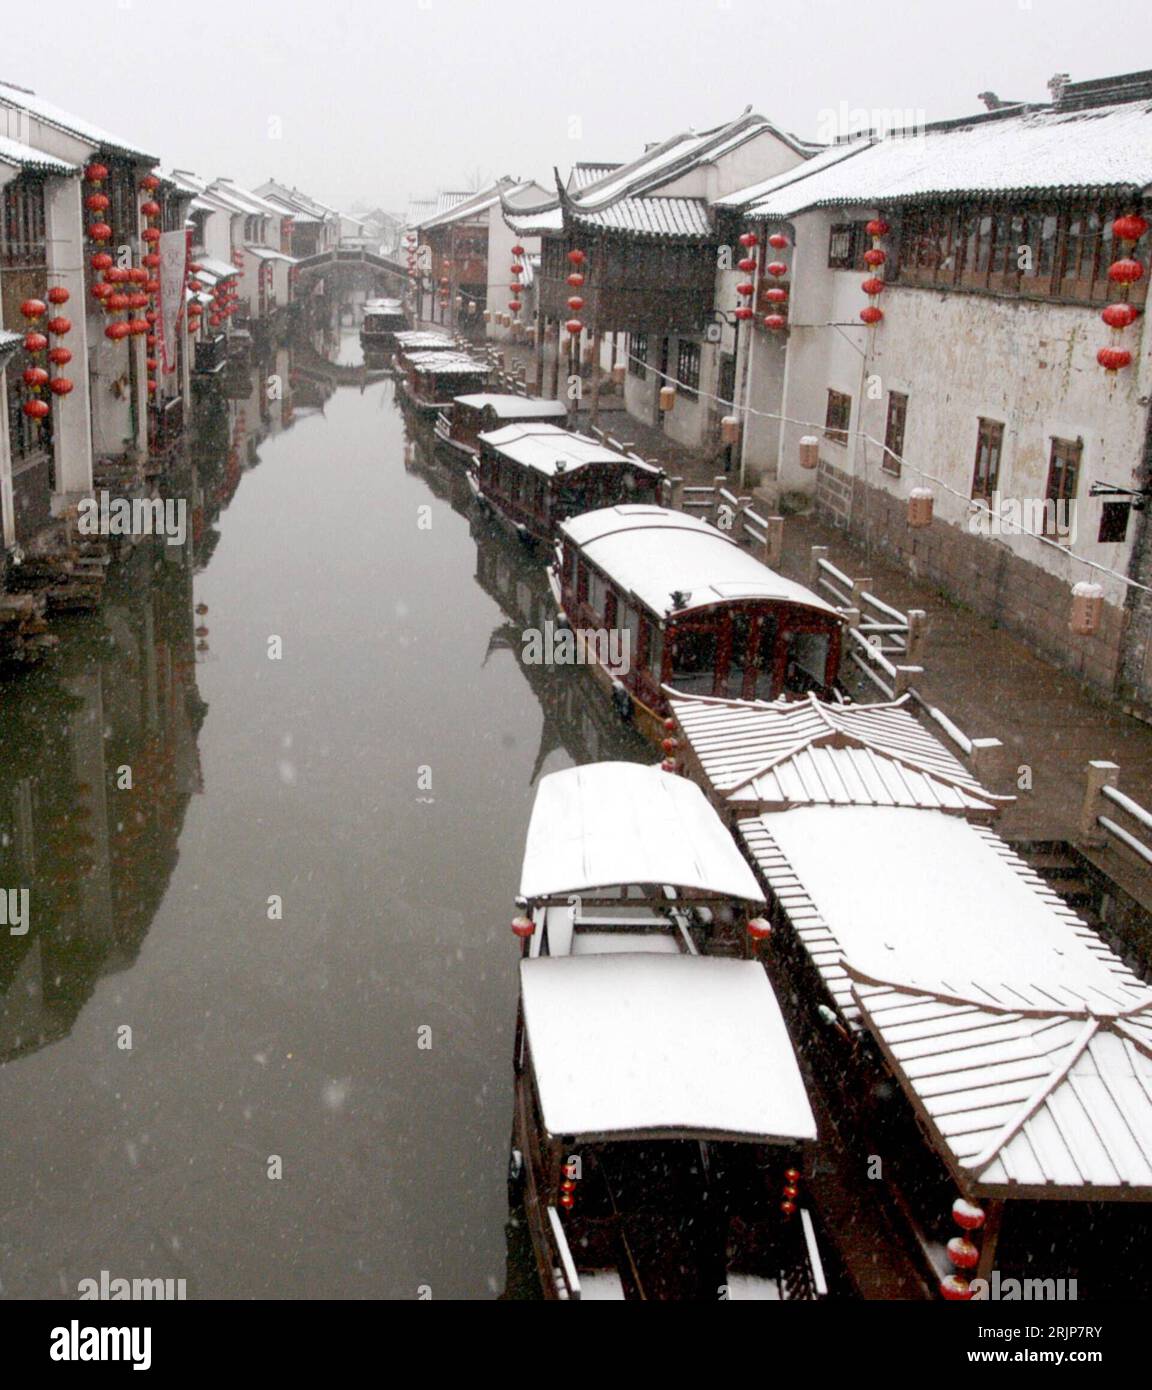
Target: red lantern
x=787, y=1207
x=150, y=208
x=151, y=364
x=35, y=377
x=194, y=266
x=152, y=259
x=1130, y=227
x=193, y=325
x=778, y=240
x=574, y=327
x=962, y=1253
x=745, y=288
x=743, y=313
x=33, y=308
x=96, y=173
x=776, y=268
x=100, y=231
x=523, y=927
x=150, y=316
x=576, y=279
x=871, y=314
x=59, y=356
x=517, y=270
x=747, y=265
x=101, y=261
x=96, y=202
x=955, y=1288
x=576, y=257
x=151, y=341
x=1119, y=315
x=877, y=227
x=518, y=250
x=515, y=305
x=776, y=295
x=151, y=388
x=575, y=303
x=58, y=295
x=137, y=300
x=116, y=302
x=872, y=285
x=149, y=183
x=139, y=326
x=152, y=286
x=117, y=330
x=749, y=239
x=35, y=342
x=775, y=322
x=1125, y=272
x=967, y=1215
x=36, y=410
x=874, y=256
x=1112, y=359
x=150, y=234
x=760, y=929
x=60, y=386
x=118, y=275
x=60, y=325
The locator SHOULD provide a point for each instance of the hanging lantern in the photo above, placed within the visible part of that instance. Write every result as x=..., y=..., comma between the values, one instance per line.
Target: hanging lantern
x=518, y=250
x=744, y=313
x=1087, y=608
x=871, y=314
x=523, y=927
x=778, y=240
x=875, y=256
x=1130, y=227
x=745, y=288
x=877, y=227
x=730, y=429
x=776, y=295
x=35, y=342
x=574, y=327
x=152, y=260
x=59, y=356
x=775, y=322
x=576, y=279
x=151, y=387
x=776, y=268
x=967, y=1215
x=955, y=1288
x=117, y=275
x=36, y=409
x=59, y=326
x=97, y=202
x=149, y=183
x=100, y=231
x=747, y=264
x=35, y=377
x=809, y=452
x=667, y=397
x=872, y=285
x=117, y=330
x=962, y=1252
x=150, y=208
x=760, y=929
x=920, y=505
x=749, y=239
x=1125, y=272
x=517, y=269
x=96, y=173
x=33, y=308
x=101, y=261
x=58, y=295
x=1113, y=359
x=515, y=305
x=1120, y=315
x=101, y=291
x=60, y=386
x=150, y=234
x=575, y=303
x=576, y=257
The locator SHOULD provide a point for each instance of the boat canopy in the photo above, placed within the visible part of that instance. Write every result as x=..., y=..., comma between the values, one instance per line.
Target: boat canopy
x=383, y=306
x=515, y=407
x=661, y=1046
x=1019, y=1037
x=445, y=364
x=421, y=340
x=653, y=553
x=615, y=824
x=550, y=450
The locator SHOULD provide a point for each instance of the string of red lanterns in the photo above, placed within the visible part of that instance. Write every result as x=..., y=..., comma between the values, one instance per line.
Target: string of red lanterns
x=874, y=259
x=747, y=288
x=777, y=321
x=576, y=259
x=962, y=1251
x=516, y=303
x=1124, y=272
x=150, y=235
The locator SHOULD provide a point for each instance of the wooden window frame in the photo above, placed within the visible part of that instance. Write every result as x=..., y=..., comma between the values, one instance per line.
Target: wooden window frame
x=1065, y=460
x=895, y=425
x=638, y=355
x=990, y=429
x=857, y=244
x=688, y=357
x=837, y=433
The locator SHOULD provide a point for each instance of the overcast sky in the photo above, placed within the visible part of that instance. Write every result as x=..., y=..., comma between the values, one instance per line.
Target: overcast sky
x=371, y=102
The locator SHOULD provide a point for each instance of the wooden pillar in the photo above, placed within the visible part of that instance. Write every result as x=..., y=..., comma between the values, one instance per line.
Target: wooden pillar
x=556, y=364
x=989, y=1238
x=539, y=348
x=773, y=541
x=596, y=345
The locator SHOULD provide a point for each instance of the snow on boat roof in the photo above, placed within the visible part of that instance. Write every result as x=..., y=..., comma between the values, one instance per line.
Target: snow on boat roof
x=1021, y=1039
x=550, y=450
x=423, y=338
x=383, y=306
x=770, y=755
x=615, y=824
x=661, y=1045
x=650, y=552
x=445, y=364
x=514, y=407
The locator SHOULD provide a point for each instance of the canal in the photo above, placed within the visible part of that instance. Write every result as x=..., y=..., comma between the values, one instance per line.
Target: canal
x=271, y=803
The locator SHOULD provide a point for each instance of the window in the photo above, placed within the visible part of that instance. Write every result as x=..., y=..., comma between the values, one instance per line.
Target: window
x=638, y=355
x=837, y=419
x=687, y=367
x=986, y=473
x=847, y=243
x=1114, y=522
x=894, y=433
x=1063, y=475
x=22, y=227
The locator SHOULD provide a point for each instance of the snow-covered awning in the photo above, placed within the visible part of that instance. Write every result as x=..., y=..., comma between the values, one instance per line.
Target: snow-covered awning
x=616, y=824
x=17, y=155
x=265, y=253
x=652, y=552
x=220, y=270
x=1021, y=1040
x=661, y=1046
x=548, y=449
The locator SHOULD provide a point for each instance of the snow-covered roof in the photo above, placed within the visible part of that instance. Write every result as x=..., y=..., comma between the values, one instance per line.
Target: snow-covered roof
x=548, y=449
x=616, y=824
x=299, y=205
x=656, y=216
x=650, y=552
x=661, y=1046
x=249, y=202
x=583, y=173
x=265, y=253
x=445, y=364
x=1020, y=1038
x=20, y=156
x=754, y=192
x=222, y=270
x=515, y=407
x=530, y=223
x=383, y=306
x=415, y=339
x=9, y=341
x=1033, y=151
x=63, y=120
x=760, y=755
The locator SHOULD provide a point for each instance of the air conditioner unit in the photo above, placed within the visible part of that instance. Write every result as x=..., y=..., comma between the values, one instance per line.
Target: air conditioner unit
x=713, y=333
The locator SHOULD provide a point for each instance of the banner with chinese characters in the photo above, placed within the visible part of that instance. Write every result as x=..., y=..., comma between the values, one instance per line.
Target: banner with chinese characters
x=173, y=248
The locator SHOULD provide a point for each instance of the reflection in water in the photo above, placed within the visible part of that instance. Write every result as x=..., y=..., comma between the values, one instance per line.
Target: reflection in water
x=163, y=1033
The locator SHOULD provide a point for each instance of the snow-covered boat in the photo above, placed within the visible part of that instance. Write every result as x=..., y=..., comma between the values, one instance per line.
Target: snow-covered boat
x=701, y=615
x=383, y=319
x=459, y=427
x=431, y=380
x=535, y=475
x=622, y=857
x=661, y=1131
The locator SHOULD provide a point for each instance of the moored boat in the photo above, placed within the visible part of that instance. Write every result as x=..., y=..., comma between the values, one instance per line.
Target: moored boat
x=458, y=427
x=383, y=319
x=536, y=475
x=661, y=1131
x=420, y=340
x=700, y=614
x=432, y=379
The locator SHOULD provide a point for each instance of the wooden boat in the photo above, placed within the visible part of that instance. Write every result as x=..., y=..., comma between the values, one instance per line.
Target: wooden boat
x=432, y=379
x=419, y=340
x=459, y=427
x=624, y=857
x=535, y=475
x=383, y=319
x=661, y=1128
x=961, y=1018
x=702, y=615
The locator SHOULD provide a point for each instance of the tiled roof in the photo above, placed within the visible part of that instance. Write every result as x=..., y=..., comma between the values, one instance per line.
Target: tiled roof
x=668, y=217
x=20, y=156
x=73, y=125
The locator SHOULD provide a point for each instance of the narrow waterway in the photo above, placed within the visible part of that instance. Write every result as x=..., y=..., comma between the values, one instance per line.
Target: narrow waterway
x=258, y=1033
